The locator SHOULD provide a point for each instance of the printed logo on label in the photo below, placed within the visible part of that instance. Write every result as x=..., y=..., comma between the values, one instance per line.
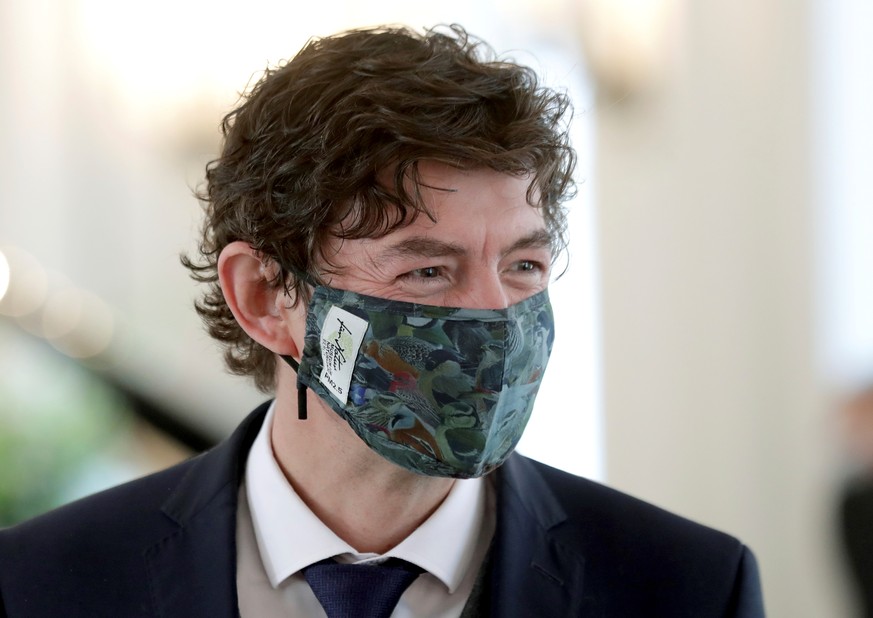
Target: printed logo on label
x=341, y=337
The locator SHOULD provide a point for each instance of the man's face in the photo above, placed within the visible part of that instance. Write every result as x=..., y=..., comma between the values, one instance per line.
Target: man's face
x=487, y=249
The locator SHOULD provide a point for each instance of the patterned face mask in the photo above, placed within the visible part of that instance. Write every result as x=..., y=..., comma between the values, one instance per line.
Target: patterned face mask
x=440, y=391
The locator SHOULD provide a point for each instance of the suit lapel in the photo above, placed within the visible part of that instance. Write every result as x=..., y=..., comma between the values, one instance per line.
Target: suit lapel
x=533, y=572
x=193, y=571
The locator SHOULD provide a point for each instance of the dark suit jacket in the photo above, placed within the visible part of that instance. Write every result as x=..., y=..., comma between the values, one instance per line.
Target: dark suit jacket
x=165, y=546
x=856, y=530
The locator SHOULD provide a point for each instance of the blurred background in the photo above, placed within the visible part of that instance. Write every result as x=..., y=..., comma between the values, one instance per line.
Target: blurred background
x=715, y=314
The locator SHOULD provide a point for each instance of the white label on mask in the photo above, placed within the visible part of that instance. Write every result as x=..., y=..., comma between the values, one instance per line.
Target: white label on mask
x=341, y=336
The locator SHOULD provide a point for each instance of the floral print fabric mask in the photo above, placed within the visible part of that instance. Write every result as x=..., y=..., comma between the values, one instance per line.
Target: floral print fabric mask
x=440, y=391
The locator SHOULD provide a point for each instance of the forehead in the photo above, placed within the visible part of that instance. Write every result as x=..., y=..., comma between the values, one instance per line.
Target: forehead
x=472, y=209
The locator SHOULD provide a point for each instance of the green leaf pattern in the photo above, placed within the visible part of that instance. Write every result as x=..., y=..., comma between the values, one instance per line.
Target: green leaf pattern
x=443, y=391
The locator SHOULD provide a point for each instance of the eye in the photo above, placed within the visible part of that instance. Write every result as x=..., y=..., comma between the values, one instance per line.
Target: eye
x=529, y=266
x=429, y=272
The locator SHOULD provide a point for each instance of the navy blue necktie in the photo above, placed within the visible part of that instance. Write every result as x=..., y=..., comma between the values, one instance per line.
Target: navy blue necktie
x=360, y=590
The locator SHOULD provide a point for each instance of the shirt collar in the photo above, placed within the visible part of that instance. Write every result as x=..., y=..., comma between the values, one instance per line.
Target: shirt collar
x=290, y=536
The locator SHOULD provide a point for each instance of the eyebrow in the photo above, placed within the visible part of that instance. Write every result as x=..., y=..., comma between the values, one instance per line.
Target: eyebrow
x=422, y=246
x=538, y=239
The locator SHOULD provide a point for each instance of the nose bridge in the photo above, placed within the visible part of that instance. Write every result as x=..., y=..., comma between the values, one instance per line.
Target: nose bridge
x=486, y=290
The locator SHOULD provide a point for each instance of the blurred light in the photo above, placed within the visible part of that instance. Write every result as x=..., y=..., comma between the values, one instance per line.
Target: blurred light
x=62, y=312
x=26, y=286
x=193, y=61
x=4, y=275
x=34, y=321
x=628, y=43
x=47, y=304
x=91, y=333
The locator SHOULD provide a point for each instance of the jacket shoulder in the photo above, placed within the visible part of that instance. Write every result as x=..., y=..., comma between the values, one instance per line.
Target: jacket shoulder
x=108, y=554
x=639, y=556
x=93, y=546
x=619, y=517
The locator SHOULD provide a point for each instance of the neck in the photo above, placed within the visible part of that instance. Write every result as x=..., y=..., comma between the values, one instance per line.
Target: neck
x=369, y=502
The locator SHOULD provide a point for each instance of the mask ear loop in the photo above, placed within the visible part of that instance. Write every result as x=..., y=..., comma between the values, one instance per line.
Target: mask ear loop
x=301, y=388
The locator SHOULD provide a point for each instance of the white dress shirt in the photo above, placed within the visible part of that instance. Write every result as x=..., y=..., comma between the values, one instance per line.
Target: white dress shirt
x=278, y=535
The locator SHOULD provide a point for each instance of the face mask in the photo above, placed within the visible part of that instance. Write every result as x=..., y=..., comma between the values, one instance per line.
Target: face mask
x=440, y=391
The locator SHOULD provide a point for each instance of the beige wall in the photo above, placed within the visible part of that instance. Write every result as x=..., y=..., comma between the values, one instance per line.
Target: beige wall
x=713, y=402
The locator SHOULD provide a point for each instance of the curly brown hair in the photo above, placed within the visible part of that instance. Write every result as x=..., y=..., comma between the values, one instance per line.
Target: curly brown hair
x=303, y=152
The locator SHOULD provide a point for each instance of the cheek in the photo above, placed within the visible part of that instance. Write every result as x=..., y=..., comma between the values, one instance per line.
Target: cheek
x=294, y=319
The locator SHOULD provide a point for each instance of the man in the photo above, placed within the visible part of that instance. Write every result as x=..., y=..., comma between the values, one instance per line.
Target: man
x=380, y=226
x=855, y=505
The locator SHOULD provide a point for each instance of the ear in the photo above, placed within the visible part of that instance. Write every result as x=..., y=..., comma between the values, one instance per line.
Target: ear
x=262, y=309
